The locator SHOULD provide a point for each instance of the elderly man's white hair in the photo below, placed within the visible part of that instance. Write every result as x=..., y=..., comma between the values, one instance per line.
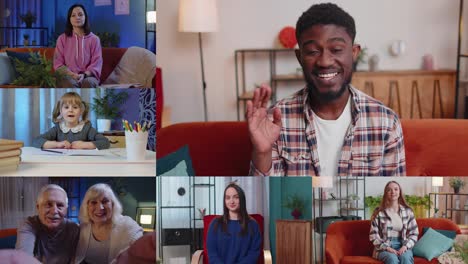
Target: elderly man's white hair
x=49, y=187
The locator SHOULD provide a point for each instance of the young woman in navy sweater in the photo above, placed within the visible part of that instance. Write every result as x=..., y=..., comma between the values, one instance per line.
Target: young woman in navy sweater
x=234, y=237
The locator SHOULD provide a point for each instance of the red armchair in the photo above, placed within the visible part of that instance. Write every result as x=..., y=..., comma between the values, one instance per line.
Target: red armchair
x=265, y=255
x=348, y=241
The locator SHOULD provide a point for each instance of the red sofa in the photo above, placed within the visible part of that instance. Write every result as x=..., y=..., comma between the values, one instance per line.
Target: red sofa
x=347, y=242
x=110, y=57
x=434, y=147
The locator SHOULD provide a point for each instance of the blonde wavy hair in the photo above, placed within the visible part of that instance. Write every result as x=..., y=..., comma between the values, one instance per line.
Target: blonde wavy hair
x=94, y=192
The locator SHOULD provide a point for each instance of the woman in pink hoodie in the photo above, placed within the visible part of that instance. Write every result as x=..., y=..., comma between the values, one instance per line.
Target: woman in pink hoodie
x=78, y=54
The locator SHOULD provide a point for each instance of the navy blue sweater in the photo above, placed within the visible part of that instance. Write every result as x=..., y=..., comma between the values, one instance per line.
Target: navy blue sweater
x=231, y=247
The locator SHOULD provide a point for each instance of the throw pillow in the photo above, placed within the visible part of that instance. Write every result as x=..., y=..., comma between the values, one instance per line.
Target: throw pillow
x=448, y=233
x=137, y=66
x=179, y=170
x=171, y=163
x=432, y=244
x=7, y=242
x=7, y=69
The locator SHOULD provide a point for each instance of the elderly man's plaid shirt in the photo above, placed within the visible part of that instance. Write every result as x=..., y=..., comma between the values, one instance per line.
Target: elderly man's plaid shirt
x=373, y=144
x=381, y=226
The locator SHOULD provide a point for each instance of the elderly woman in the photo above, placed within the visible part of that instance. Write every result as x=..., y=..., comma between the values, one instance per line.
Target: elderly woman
x=104, y=231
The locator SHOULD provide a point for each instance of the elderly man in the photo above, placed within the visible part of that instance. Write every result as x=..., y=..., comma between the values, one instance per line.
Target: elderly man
x=49, y=236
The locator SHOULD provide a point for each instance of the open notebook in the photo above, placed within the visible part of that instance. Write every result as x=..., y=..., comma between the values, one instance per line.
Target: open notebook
x=69, y=152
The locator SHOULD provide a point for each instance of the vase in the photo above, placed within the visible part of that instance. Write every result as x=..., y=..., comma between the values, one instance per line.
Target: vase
x=26, y=42
x=103, y=125
x=296, y=214
x=456, y=189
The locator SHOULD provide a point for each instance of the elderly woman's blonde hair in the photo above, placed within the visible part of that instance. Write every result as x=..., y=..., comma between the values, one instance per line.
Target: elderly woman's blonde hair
x=94, y=192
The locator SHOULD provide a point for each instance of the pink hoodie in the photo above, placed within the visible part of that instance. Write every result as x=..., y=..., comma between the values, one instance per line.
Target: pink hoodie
x=79, y=54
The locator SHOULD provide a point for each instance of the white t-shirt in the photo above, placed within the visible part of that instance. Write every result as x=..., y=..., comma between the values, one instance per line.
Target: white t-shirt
x=397, y=223
x=330, y=136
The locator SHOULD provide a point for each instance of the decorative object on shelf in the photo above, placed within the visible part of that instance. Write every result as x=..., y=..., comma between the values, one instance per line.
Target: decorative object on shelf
x=29, y=18
x=374, y=62
x=397, y=48
x=107, y=107
x=34, y=42
x=26, y=40
x=351, y=200
x=436, y=212
x=296, y=204
x=181, y=191
x=428, y=62
x=199, y=17
x=466, y=206
x=457, y=184
x=457, y=204
x=361, y=59
x=287, y=37
x=202, y=212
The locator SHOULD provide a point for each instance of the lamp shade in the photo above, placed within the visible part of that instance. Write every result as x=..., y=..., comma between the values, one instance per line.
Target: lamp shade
x=151, y=17
x=198, y=16
x=322, y=182
x=437, y=181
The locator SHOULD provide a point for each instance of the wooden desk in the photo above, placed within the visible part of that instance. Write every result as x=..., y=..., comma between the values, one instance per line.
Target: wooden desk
x=293, y=241
x=113, y=163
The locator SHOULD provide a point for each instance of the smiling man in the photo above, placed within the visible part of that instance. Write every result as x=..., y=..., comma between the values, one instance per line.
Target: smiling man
x=329, y=128
x=49, y=236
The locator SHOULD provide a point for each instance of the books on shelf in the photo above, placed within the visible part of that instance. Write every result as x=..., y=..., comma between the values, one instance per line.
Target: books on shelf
x=9, y=161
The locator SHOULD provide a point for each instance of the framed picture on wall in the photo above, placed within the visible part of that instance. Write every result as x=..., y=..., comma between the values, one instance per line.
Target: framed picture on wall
x=102, y=2
x=122, y=7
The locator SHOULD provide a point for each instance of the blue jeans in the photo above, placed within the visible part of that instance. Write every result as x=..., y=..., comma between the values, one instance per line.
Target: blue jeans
x=390, y=258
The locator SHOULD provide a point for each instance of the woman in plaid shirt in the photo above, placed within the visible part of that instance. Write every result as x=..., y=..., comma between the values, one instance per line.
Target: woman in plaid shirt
x=394, y=230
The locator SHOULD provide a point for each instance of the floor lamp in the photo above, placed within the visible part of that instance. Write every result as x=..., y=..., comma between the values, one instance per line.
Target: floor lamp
x=437, y=182
x=199, y=16
x=321, y=183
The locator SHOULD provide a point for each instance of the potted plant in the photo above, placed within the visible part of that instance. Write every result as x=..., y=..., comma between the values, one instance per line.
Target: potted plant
x=26, y=39
x=29, y=18
x=37, y=71
x=296, y=204
x=107, y=107
x=371, y=203
x=456, y=184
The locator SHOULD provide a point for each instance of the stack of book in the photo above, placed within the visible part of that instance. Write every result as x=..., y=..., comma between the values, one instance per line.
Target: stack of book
x=10, y=154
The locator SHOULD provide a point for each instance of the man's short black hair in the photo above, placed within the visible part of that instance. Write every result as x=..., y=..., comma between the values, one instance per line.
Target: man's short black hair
x=326, y=14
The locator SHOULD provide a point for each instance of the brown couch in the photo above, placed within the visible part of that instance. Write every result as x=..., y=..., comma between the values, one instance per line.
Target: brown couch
x=434, y=147
x=110, y=57
x=348, y=241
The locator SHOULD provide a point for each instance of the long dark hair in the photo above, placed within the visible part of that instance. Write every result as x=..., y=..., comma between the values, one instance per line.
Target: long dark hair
x=384, y=203
x=69, y=27
x=243, y=216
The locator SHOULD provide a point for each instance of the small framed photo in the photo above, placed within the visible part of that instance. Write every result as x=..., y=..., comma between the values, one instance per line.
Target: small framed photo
x=122, y=7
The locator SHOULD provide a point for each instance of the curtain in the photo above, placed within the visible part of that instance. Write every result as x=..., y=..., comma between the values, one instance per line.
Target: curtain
x=18, y=199
x=26, y=113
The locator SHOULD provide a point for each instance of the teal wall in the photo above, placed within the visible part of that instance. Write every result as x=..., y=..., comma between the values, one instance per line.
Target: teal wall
x=280, y=189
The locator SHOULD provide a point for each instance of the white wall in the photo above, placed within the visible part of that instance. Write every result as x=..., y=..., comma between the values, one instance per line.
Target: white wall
x=427, y=26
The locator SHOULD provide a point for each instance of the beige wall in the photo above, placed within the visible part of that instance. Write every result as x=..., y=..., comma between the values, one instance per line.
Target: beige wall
x=427, y=26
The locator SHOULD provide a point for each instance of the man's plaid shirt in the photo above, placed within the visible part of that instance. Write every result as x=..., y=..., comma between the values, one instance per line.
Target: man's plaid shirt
x=373, y=144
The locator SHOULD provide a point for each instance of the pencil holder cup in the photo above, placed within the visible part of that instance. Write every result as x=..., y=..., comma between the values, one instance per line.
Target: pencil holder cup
x=135, y=144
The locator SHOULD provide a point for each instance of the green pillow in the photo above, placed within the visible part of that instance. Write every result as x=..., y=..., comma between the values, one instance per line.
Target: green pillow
x=432, y=244
x=448, y=233
x=176, y=163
